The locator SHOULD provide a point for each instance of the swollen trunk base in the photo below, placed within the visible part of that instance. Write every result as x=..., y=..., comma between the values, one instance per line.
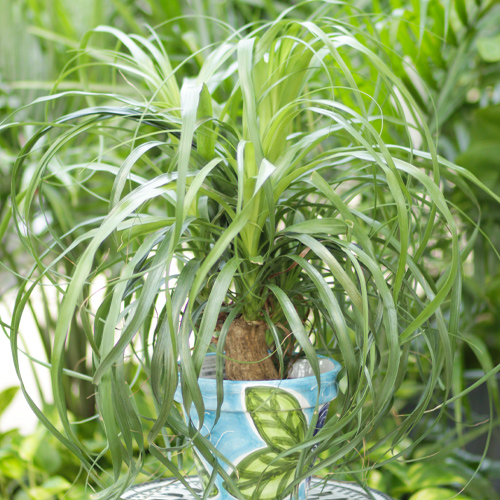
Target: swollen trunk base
x=247, y=352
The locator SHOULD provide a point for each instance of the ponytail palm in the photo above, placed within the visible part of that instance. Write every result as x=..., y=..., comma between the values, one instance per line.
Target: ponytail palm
x=277, y=187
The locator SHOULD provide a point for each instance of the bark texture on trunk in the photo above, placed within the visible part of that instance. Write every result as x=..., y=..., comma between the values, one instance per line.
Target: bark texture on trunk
x=247, y=342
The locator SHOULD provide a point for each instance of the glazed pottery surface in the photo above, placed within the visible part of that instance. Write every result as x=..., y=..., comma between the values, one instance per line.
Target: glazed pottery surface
x=258, y=421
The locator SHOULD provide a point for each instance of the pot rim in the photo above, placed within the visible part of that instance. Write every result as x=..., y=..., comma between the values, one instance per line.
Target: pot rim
x=332, y=373
x=309, y=390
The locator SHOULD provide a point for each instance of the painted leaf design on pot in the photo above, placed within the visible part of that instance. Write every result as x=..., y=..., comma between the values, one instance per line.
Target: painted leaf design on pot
x=260, y=479
x=277, y=415
x=281, y=423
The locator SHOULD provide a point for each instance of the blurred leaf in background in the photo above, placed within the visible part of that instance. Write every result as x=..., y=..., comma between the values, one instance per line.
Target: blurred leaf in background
x=31, y=466
x=482, y=156
x=6, y=397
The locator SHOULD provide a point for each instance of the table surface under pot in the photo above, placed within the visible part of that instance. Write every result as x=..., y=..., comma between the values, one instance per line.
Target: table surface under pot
x=166, y=489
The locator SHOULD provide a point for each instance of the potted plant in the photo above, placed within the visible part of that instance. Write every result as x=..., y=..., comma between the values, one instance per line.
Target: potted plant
x=269, y=208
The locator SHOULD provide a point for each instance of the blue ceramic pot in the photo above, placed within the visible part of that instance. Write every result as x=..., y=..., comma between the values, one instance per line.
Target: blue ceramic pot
x=258, y=421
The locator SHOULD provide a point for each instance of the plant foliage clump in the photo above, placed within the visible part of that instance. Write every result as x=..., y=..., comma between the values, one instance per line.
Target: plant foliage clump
x=285, y=175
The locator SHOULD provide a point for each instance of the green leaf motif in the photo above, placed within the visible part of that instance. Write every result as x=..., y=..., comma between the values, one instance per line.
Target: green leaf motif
x=258, y=478
x=281, y=423
x=204, y=476
x=277, y=415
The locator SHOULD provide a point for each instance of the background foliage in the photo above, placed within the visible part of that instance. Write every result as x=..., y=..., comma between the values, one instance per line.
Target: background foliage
x=454, y=46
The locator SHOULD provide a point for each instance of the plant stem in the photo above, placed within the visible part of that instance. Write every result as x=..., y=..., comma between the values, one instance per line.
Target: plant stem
x=246, y=342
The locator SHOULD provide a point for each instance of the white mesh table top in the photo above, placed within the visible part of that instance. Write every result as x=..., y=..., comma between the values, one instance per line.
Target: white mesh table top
x=167, y=489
